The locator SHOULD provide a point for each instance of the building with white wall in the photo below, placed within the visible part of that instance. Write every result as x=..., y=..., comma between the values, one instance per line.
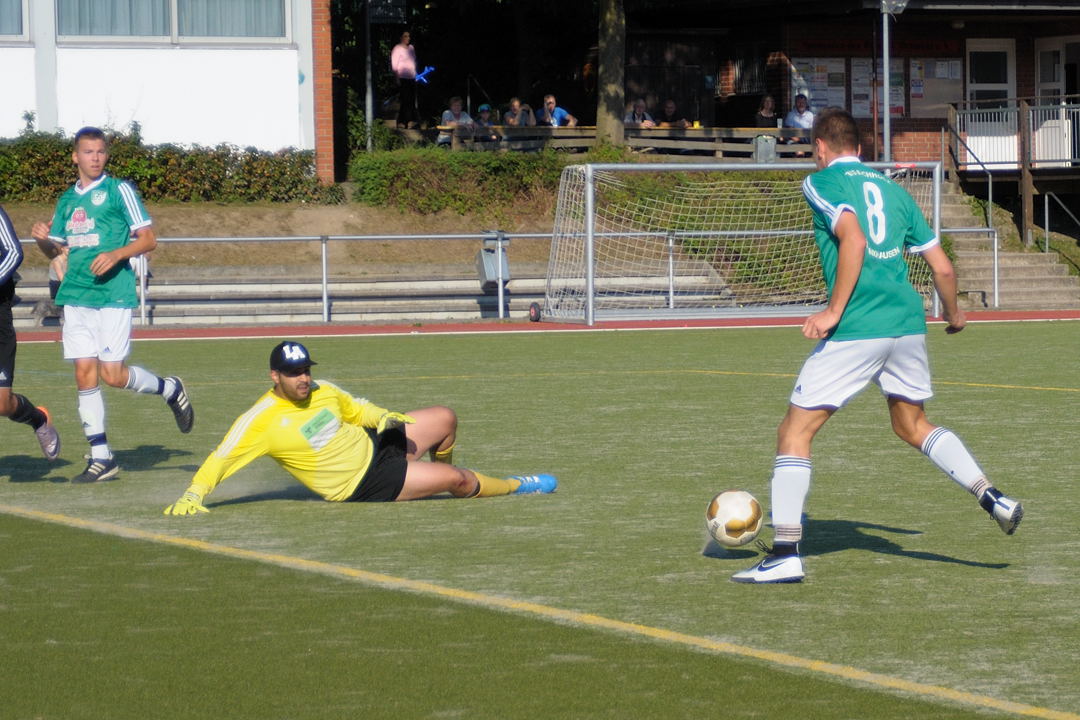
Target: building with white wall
x=192, y=72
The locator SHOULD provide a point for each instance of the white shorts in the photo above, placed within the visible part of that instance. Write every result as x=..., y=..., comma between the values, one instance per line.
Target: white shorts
x=837, y=370
x=102, y=333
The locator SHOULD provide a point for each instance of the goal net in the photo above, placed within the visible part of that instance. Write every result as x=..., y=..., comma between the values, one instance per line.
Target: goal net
x=651, y=241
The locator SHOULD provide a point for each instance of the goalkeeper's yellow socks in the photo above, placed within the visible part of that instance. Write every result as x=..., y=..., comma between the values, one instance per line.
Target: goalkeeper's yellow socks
x=443, y=456
x=490, y=486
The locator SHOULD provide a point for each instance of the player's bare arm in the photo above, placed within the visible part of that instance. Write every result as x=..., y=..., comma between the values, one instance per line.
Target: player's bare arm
x=848, y=267
x=145, y=241
x=49, y=247
x=945, y=283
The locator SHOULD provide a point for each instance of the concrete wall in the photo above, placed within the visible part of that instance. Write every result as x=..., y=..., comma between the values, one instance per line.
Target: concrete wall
x=247, y=94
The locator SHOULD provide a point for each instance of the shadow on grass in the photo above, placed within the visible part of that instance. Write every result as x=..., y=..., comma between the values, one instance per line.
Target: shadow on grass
x=292, y=492
x=828, y=536
x=150, y=457
x=299, y=492
x=28, y=469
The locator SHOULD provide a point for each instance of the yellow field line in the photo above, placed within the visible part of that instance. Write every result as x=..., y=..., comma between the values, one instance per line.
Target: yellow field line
x=845, y=672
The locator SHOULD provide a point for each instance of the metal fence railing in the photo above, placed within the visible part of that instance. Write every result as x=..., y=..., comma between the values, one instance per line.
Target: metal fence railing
x=1036, y=132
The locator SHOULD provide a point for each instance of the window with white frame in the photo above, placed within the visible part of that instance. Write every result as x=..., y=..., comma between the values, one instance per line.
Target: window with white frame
x=12, y=18
x=176, y=19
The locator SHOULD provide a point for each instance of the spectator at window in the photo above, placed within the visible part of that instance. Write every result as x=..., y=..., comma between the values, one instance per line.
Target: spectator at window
x=454, y=120
x=519, y=114
x=669, y=116
x=766, y=114
x=553, y=115
x=639, y=116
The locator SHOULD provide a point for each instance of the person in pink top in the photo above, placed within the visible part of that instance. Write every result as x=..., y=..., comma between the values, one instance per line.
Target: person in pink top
x=403, y=63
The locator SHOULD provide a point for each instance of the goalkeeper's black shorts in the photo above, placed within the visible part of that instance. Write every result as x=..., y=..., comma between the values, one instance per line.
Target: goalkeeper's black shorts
x=385, y=475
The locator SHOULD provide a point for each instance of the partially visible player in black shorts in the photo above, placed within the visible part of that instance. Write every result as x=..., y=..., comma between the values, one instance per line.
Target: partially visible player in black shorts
x=13, y=405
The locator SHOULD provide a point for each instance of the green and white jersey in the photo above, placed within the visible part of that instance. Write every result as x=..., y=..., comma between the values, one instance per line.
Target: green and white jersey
x=91, y=220
x=883, y=304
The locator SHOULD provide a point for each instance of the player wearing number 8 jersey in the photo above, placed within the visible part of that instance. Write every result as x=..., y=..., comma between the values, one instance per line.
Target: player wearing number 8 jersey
x=883, y=302
x=872, y=330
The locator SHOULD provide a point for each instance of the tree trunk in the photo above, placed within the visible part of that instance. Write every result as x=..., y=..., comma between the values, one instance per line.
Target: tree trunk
x=611, y=94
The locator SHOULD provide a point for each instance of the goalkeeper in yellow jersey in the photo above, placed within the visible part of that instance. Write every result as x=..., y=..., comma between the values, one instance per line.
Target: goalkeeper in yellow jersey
x=343, y=448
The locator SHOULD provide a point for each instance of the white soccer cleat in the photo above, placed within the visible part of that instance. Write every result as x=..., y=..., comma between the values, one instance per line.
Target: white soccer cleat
x=773, y=569
x=1007, y=512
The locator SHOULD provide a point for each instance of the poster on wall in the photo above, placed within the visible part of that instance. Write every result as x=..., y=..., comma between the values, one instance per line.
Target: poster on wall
x=862, y=84
x=822, y=80
x=934, y=83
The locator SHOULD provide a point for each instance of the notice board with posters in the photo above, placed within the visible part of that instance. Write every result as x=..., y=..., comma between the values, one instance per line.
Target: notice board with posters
x=933, y=84
x=823, y=80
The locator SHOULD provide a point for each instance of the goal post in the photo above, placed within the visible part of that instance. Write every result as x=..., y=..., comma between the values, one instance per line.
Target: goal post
x=692, y=240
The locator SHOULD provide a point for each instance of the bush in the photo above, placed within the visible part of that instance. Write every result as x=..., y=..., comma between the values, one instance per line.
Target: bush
x=428, y=180
x=36, y=167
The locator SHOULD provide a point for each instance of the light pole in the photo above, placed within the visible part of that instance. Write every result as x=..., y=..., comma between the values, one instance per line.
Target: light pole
x=888, y=7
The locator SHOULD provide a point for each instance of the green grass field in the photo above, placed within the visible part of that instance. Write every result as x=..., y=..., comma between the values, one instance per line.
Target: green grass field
x=603, y=600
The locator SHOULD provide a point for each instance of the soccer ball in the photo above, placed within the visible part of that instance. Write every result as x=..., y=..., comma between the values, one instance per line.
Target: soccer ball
x=734, y=518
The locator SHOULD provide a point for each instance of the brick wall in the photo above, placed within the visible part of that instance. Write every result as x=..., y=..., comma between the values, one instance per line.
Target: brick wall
x=322, y=62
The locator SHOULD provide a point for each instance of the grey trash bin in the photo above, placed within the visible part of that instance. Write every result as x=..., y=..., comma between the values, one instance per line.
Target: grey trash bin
x=487, y=259
x=765, y=148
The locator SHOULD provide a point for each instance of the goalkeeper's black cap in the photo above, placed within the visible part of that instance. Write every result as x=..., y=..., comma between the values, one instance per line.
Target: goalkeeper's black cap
x=288, y=356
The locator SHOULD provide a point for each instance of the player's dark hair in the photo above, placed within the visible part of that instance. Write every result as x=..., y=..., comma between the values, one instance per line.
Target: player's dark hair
x=837, y=128
x=91, y=133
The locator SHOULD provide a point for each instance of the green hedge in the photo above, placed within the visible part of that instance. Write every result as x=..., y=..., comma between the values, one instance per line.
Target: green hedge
x=37, y=167
x=428, y=180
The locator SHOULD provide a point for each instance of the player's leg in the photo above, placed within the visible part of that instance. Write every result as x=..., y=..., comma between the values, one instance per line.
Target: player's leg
x=905, y=379
x=833, y=374
x=16, y=406
x=424, y=479
x=790, y=485
x=116, y=346
x=435, y=430
x=80, y=336
x=949, y=453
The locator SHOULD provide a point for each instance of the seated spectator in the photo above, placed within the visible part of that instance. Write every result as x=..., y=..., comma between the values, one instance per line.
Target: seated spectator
x=553, y=115
x=453, y=119
x=638, y=117
x=800, y=117
x=519, y=114
x=766, y=113
x=669, y=116
x=485, y=124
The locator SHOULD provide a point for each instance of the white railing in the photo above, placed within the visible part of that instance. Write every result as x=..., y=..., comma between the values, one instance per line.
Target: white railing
x=993, y=135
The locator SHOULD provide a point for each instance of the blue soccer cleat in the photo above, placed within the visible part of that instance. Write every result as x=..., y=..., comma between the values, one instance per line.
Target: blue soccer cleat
x=532, y=484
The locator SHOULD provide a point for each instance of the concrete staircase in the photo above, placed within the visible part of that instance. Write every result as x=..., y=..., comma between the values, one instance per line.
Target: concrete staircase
x=1026, y=280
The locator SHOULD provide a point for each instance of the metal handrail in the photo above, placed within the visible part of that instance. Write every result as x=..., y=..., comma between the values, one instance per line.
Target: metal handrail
x=989, y=176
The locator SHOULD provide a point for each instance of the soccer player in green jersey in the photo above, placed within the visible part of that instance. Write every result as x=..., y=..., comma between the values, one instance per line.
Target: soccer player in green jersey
x=12, y=404
x=872, y=330
x=103, y=224
x=345, y=449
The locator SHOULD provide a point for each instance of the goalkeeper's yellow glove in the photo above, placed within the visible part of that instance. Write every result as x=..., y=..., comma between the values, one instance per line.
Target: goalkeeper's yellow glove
x=393, y=420
x=190, y=503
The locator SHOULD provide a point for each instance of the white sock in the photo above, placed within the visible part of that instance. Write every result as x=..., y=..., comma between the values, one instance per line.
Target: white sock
x=92, y=414
x=790, y=485
x=144, y=381
x=947, y=452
